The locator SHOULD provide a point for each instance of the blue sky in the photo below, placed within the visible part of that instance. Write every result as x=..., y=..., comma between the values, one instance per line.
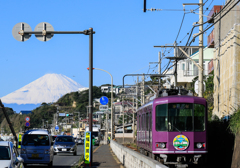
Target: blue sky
x=123, y=43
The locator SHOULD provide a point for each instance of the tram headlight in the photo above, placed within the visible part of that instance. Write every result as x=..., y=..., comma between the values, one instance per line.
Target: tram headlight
x=199, y=145
x=162, y=145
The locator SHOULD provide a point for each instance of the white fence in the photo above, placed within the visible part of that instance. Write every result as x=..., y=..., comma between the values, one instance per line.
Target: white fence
x=132, y=159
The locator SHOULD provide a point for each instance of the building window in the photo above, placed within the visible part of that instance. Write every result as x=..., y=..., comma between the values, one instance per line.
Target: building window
x=183, y=66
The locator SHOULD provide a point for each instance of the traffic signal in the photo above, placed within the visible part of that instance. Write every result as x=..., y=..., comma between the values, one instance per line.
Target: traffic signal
x=67, y=115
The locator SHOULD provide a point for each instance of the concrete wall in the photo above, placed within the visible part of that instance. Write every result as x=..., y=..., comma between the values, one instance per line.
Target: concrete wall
x=227, y=73
x=132, y=159
x=128, y=138
x=222, y=28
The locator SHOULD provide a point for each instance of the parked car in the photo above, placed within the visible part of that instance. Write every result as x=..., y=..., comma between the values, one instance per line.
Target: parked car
x=79, y=141
x=65, y=144
x=54, y=137
x=9, y=157
x=37, y=147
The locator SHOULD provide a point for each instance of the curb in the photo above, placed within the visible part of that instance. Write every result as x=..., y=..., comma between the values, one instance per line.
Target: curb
x=115, y=158
x=81, y=164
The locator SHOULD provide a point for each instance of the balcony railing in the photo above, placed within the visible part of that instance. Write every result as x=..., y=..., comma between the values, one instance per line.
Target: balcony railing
x=193, y=72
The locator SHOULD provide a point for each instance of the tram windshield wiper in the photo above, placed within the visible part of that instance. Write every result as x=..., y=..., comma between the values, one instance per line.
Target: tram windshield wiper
x=174, y=127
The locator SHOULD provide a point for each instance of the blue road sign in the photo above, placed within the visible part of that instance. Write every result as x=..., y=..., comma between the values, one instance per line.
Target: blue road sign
x=56, y=128
x=27, y=124
x=104, y=100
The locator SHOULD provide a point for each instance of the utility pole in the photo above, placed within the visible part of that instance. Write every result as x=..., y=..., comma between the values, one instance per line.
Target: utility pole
x=123, y=118
x=78, y=122
x=143, y=94
x=106, y=126
x=200, y=89
x=43, y=123
x=175, y=73
x=159, y=67
x=200, y=46
x=133, y=126
x=137, y=92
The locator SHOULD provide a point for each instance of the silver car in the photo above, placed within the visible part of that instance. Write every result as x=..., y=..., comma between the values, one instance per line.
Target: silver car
x=9, y=156
x=79, y=141
x=65, y=144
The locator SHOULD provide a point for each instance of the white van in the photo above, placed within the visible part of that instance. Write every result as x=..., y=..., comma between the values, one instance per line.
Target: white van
x=37, y=148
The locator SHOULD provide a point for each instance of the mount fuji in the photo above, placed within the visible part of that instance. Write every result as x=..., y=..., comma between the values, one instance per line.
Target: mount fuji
x=48, y=88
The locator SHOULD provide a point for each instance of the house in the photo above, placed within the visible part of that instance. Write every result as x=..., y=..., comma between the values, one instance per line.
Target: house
x=120, y=107
x=108, y=89
x=187, y=70
x=25, y=112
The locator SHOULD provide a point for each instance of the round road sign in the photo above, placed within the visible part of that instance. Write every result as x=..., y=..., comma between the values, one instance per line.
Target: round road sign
x=44, y=26
x=27, y=124
x=18, y=31
x=56, y=128
x=27, y=119
x=104, y=100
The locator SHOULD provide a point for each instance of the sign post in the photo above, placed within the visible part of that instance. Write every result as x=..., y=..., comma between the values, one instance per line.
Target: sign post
x=87, y=147
x=56, y=128
x=19, y=141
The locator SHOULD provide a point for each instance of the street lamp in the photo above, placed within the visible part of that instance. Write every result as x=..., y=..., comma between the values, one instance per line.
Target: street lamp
x=111, y=99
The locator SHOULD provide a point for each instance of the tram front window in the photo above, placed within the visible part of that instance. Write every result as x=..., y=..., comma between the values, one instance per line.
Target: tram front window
x=161, y=117
x=199, y=117
x=180, y=117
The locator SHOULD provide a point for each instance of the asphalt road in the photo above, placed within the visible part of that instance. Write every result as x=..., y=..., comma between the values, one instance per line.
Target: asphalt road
x=64, y=160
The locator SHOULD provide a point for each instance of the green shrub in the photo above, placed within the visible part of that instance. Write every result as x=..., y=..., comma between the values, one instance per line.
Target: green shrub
x=234, y=124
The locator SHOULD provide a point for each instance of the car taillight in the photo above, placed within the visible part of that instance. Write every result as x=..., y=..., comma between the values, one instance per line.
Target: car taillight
x=47, y=151
x=161, y=145
x=23, y=151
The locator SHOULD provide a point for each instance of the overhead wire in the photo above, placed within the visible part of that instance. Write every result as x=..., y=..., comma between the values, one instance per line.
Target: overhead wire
x=226, y=5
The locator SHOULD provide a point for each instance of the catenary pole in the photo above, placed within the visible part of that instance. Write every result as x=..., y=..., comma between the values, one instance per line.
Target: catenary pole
x=159, y=67
x=175, y=73
x=200, y=72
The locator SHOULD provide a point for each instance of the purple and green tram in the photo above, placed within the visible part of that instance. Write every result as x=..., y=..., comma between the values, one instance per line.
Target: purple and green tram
x=173, y=129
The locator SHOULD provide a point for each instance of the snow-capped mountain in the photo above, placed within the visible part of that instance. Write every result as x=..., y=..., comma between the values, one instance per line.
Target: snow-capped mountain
x=49, y=88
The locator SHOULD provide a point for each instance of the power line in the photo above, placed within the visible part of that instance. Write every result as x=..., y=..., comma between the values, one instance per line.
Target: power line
x=180, y=26
x=209, y=26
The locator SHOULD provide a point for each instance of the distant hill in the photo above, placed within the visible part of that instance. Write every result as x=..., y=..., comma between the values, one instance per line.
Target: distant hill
x=70, y=102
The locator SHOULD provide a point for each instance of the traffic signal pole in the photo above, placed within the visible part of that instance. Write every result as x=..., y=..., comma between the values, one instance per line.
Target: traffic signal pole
x=90, y=86
x=44, y=32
